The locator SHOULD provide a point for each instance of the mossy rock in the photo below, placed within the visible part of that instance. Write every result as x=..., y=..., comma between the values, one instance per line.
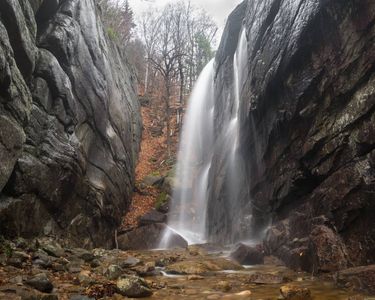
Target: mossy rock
x=161, y=200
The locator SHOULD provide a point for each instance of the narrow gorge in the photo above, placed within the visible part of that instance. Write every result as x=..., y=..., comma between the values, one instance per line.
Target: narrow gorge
x=272, y=192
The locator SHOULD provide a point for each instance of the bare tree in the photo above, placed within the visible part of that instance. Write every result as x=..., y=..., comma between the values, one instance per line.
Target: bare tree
x=150, y=26
x=178, y=42
x=118, y=18
x=166, y=57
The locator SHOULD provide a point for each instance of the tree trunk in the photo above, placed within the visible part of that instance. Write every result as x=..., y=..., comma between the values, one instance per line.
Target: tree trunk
x=167, y=114
x=182, y=84
x=146, y=75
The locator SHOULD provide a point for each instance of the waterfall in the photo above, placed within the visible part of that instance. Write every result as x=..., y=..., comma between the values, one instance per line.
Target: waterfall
x=188, y=211
x=231, y=144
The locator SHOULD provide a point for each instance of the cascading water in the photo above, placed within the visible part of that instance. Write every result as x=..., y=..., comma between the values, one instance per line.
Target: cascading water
x=188, y=209
x=198, y=142
x=231, y=142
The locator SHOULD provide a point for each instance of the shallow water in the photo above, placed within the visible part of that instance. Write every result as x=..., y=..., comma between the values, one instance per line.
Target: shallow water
x=205, y=287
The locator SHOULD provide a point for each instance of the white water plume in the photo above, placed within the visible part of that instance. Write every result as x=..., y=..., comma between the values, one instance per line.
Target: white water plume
x=188, y=210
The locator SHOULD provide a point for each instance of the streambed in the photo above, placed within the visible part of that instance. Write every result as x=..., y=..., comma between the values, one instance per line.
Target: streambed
x=46, y=270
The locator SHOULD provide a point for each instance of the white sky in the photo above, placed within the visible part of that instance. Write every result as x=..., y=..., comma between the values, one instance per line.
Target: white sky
x=218, y=9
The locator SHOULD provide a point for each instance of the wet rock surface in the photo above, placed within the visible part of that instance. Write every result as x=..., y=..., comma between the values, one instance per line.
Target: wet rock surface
x=148, y=274
x=291, y=292
x=247, y=255
x=150, y=237
x=307, y=132
x=69, y=123
x=358, y=278
x=40, y=282
x=133, y=287
x=152, y=217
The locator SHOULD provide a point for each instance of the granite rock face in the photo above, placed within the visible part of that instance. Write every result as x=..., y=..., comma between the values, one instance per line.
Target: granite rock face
x=69, y=123
x=307, y=131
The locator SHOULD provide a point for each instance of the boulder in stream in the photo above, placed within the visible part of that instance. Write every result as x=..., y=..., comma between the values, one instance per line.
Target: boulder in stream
x=358, y=278
x=133, y=287
x=292, y=292
x=247, y=255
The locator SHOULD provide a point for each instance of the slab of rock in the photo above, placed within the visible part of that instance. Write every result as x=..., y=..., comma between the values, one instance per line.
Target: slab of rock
x=20, y=255
x=41, y=283
x=150, y=237
x=14, y=262
x=201, y=267
x=133, y=287
x=146, y=270
x=292, y=292
x=223, y=264
x=327, y=250
x=247, y=255
x=190, y=267
x=130, y=262
x=42, y=259
x=358, y=278
x=83, y=254
x=53, y=248
x=152, y=217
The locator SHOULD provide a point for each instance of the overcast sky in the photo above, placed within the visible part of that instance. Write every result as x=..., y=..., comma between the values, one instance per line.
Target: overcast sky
x=218, y=9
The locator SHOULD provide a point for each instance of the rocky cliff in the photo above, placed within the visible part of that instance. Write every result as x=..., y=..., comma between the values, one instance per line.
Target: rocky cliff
x=307, y=130
x=69, y=123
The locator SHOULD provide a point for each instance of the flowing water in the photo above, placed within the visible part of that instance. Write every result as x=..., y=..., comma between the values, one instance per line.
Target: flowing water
x=236, y=177
x=188, y=211
x=188, y=208
x=207, y=284
x=195, y=177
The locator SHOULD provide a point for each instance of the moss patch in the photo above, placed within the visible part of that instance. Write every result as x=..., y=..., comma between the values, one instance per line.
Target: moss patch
x=161, y=200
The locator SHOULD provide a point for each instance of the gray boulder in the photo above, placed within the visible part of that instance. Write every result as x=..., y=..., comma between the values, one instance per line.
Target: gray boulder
x=41, y=283
x=133, y=287
x=152, y=217
x=150, y=237
x=247, y=255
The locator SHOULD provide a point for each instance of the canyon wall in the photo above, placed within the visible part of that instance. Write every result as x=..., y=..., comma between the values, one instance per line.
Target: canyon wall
x=307, y=131
x=69, y=123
